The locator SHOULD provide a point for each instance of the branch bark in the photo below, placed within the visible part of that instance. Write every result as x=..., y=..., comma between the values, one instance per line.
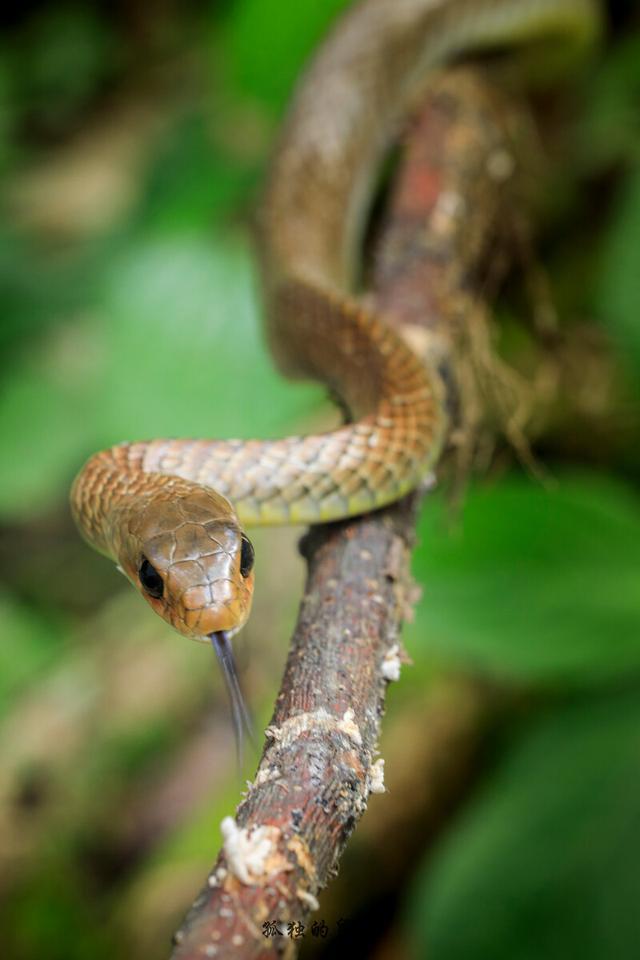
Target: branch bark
x=449, y=203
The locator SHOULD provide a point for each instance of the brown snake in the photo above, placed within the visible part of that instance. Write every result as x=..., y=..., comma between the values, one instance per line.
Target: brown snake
x=163, y=509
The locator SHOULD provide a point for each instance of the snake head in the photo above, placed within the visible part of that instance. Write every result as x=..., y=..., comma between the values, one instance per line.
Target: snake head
x=183, y=549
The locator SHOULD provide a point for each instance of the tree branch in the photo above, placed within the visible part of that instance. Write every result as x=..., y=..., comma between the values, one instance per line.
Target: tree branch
x=447, y=212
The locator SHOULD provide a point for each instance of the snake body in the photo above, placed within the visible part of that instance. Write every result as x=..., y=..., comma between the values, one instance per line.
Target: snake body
x=163, y=509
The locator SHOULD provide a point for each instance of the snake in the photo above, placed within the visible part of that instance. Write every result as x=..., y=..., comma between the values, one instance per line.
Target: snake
x=172, y=513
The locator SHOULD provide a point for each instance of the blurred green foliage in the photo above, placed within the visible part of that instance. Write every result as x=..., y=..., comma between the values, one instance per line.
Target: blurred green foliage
x=618, y=291
x=144, y=321
x=545, y=861
x=532, y=581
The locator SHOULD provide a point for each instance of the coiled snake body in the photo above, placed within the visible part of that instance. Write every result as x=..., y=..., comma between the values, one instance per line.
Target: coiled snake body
x=163, y=509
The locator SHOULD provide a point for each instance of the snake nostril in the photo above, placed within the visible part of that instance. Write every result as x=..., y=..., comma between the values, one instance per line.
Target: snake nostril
x=151, y=581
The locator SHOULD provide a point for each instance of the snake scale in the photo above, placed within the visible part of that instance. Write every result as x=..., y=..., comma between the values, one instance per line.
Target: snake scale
x=171, y=513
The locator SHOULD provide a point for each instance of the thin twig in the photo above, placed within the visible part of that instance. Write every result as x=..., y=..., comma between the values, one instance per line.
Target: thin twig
x=446, y=213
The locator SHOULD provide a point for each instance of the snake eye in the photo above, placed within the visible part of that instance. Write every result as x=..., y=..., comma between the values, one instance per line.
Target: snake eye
x=247, y=556
x=150, y=579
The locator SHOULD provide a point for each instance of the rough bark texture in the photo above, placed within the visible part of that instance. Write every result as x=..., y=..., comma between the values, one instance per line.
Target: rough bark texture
x=447, y=211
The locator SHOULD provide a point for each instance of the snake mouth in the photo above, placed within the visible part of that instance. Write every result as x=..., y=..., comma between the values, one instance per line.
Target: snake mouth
x=221, y=643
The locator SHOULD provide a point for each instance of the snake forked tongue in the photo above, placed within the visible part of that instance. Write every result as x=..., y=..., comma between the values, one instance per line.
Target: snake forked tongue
x=221, y=642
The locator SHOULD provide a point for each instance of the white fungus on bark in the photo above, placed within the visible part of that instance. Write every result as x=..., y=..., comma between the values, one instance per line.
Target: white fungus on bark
x=252, y=853
x=376, y=777
x=391, y=663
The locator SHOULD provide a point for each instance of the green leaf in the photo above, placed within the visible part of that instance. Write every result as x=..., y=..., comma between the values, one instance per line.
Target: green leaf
x=265, y=45
x=609, y=128
x=618, y=278
x=545, y=864
x=533, y=584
